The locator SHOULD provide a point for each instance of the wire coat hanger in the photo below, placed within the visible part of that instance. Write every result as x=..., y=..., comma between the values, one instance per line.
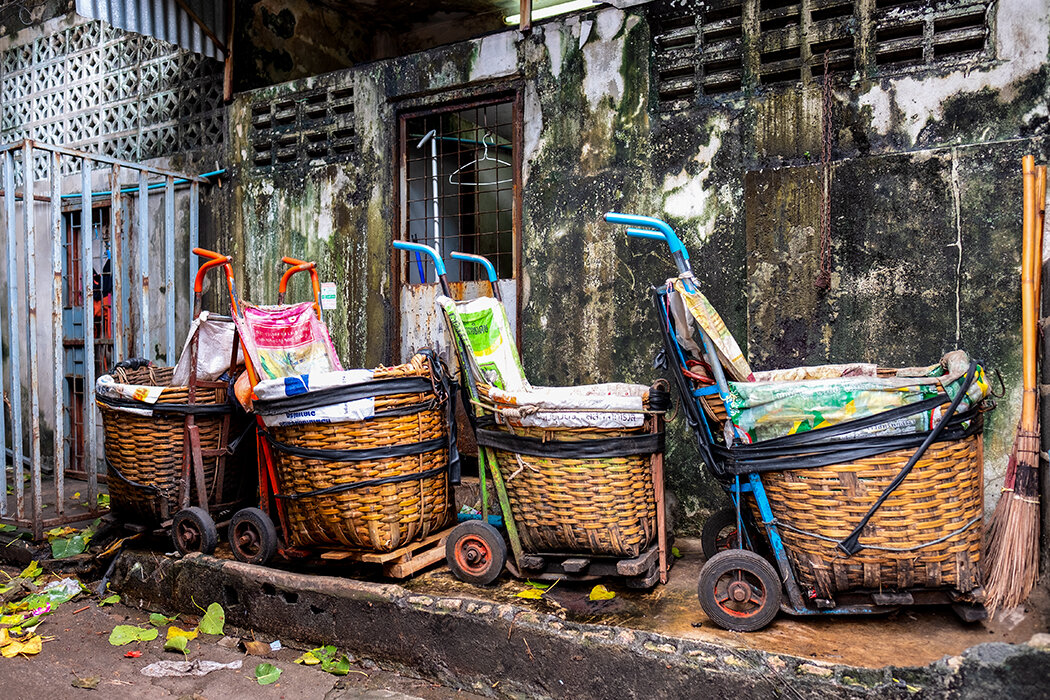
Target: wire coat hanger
x=484, y=157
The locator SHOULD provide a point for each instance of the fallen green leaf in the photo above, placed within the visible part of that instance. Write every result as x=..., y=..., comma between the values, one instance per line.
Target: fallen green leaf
x=126, y=634
x=329, y=658
x=177, y=643
x=158, y=620
x=541, y=586
x=68, y=547
x=266, y=674
x=213, y=620
x=675, y=553
x=600, y=592
x=103, y=500
x=4, y=527
x=109, y=600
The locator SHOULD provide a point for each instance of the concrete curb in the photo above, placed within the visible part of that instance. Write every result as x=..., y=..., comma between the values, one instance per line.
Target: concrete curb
x=505, y=650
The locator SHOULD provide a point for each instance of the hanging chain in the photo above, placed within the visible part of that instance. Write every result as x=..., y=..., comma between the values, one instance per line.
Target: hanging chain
x=823, y=280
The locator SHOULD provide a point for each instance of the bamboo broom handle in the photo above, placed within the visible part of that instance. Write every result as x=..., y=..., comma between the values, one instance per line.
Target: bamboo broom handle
x=1028, y=319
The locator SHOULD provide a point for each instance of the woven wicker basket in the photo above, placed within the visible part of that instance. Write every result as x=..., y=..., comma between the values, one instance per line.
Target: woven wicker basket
x=379, y=518
x=938, y=505
x=601, y=506
x=146, y=452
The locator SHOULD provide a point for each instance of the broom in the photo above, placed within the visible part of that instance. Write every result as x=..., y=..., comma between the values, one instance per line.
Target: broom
x=1012, y=550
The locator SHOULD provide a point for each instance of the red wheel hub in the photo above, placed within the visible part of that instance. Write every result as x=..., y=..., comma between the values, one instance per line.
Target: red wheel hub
x=473, y=554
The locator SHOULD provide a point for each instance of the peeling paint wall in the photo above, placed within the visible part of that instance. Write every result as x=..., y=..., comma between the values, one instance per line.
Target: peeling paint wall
x=924, y=192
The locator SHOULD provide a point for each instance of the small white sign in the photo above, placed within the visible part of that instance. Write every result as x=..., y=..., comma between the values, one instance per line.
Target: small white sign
x=327, y=295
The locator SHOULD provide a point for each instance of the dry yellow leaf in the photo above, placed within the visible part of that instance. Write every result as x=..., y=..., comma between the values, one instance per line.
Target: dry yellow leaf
x=32, y=645
x=530, y=593
x=174, y=631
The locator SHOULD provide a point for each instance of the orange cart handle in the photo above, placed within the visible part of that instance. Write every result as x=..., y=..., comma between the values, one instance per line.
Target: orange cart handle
x=214, y=260
x=300, y=266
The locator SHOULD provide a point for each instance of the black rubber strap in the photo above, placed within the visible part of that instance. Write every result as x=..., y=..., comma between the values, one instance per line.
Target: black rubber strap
x=361, y=484
x=342, y=394
x=116, y=472
x=178, y=408
x=414, y=448
x=851, y=545
x=648, y=443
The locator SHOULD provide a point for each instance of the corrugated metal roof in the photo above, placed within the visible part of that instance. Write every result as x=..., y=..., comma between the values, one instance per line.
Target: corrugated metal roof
x=163, y=19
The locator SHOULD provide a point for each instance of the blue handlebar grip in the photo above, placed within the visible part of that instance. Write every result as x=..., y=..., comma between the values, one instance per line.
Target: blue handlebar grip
x=648, y=222
x=478, y=259
x=646, y=233
x=439, y=266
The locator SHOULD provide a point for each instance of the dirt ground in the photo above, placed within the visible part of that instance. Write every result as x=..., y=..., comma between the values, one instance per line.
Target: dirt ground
x=913, y=636
x=77, y=647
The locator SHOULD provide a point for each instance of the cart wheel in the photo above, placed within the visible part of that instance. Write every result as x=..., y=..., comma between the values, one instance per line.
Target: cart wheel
x=476, y=552
x=739, y=590
x=719, y=533
x=253, y=538
x=193, y=530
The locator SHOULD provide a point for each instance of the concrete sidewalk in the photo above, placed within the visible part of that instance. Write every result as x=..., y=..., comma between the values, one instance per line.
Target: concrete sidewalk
x=489, y=642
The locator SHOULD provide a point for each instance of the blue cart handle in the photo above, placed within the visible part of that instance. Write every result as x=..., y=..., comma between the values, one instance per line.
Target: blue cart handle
x=645, y=233
x=439, y=265
x=648, y=227
x=490, y=271
x=484, y=262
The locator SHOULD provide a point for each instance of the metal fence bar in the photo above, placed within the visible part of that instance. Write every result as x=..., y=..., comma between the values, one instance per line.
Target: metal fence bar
x=55, y=180
x=194, y=238
x=143, y=231
x=169, y=267
x=116, y=274
x=31, y=337
x=7, y=174
x=95, y=157
x=87, y=270
x=14, y=338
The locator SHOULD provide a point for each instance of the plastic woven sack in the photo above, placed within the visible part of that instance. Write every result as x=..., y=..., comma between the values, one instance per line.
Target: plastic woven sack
x=286, y=341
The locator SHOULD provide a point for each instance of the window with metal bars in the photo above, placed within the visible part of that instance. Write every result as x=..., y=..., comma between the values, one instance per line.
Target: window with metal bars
x=458, y=180
x=73, y=320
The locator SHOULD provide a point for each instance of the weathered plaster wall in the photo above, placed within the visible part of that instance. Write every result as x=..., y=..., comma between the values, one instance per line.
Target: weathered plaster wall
x=925, y=207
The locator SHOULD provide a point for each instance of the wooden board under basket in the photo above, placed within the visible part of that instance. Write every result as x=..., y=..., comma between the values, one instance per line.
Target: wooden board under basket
x=401, y=562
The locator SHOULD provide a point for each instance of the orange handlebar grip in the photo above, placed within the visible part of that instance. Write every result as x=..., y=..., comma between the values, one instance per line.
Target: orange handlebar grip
x=198, y=281
x=292, y=261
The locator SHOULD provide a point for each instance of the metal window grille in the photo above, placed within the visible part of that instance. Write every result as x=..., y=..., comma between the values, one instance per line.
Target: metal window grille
x=458, y=187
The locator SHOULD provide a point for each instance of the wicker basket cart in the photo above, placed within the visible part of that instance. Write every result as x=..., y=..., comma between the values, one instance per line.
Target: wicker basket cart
x=354, y=464
x=168, y=447
x=577, y=470
x=862, y=485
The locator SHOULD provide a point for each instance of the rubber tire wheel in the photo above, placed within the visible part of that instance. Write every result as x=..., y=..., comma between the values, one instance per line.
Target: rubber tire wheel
x=193, y=530
x=714, y=526
x=764, y=582
x=476, y=552
x=253, y=538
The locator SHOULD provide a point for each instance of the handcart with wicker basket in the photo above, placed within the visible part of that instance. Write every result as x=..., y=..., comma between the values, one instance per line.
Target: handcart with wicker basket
x=577, y=471
x=355, y=464
x=170, y=433
x=855, y=489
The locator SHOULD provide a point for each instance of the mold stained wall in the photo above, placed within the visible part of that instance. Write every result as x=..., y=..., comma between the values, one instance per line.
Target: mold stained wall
x=925, y=208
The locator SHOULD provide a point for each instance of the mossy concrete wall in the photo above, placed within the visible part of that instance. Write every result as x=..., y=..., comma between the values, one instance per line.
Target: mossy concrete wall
x=925, y=207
